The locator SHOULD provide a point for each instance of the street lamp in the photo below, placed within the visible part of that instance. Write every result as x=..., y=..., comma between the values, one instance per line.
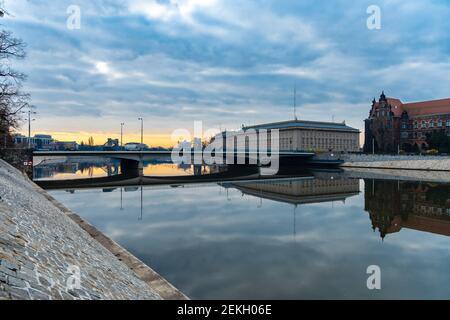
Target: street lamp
x=121, y=133
x=29, y=126
x=142, y=131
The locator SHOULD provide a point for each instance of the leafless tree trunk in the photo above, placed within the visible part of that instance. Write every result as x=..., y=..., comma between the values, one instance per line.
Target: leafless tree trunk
x=12, y=99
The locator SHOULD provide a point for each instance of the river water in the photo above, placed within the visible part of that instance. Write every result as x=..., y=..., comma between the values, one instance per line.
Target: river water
x=309, y=236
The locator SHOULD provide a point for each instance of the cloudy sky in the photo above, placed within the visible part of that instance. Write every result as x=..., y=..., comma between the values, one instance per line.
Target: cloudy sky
x=224, y=62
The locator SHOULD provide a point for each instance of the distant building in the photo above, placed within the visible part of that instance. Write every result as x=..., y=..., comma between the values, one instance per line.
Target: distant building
x=45, y=142
x=65, y=145
x=393, y=125
x=111, y=144
x=39, y=141
x=302, y=135
x=134, y=146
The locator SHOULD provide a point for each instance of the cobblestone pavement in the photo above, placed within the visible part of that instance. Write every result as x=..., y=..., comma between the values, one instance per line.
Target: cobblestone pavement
x=42, y=249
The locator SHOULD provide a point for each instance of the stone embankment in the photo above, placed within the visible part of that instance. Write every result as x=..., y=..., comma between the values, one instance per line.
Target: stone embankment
x=48, y=252
x=394, y=174
x=403, y=162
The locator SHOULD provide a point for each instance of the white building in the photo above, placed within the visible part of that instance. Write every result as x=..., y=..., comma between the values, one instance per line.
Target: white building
x=299, y=135
x=134, y=146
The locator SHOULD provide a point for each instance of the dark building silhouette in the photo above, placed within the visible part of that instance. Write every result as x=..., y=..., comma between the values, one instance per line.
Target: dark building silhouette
x=394, y=125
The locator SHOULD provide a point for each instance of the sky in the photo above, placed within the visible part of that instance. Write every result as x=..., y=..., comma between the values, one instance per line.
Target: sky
x=222, y=62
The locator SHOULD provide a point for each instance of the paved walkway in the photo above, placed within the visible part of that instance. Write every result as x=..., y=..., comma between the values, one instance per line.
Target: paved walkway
x=43, y=249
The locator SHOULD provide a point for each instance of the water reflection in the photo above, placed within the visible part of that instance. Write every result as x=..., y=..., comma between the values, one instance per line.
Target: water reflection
x=300, y=191
x=393, y=205
x=308, y=236
x=61, y=170
x=64, y=168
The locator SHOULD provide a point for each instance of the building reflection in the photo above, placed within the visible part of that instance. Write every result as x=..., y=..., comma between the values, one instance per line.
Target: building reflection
x=393, y=205
x=300, y=191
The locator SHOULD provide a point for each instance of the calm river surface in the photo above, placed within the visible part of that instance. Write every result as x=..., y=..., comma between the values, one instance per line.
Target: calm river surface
x=310, y=236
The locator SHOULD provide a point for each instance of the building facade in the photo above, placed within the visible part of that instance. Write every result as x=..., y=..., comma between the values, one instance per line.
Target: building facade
x=393, y=125
x=44, y=142
x=39, y=141
x=300, y=135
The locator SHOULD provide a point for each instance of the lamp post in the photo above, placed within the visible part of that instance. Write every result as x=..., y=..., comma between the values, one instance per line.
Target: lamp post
x=121, y=133
x=142, y=131
x=373, y=145
x=29, y=126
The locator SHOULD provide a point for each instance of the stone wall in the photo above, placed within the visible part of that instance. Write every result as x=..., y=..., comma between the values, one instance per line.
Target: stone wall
x=41, y=247
x=394, y=174
x=438, y=163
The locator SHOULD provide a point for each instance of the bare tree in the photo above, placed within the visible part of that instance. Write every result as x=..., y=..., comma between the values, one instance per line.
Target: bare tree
x=12, y=99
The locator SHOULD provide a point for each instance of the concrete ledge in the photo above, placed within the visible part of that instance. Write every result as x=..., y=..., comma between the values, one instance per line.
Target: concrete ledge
x=397, y=174
x=423, y=163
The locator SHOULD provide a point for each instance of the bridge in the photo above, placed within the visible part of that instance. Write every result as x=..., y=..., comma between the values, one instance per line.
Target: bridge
x=133, y=161
x=139, y=155
x=233, y=174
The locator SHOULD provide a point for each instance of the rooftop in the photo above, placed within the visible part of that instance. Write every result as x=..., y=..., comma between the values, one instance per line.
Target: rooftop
x=441, y=106
x=304, y=124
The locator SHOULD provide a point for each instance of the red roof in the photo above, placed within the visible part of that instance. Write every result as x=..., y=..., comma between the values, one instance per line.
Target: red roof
x=441, y=106
x=397, y=106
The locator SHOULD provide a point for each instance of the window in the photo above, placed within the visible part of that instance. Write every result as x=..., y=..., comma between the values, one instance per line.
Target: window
x=416, y=124
x=440, y=123
x=404, y=125
x=432, y=124
x=448, y=122
x=424, y=124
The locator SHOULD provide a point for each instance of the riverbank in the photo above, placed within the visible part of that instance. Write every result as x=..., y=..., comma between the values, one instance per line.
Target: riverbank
x=396, y=174
x=44, y=246
x=403, y=162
